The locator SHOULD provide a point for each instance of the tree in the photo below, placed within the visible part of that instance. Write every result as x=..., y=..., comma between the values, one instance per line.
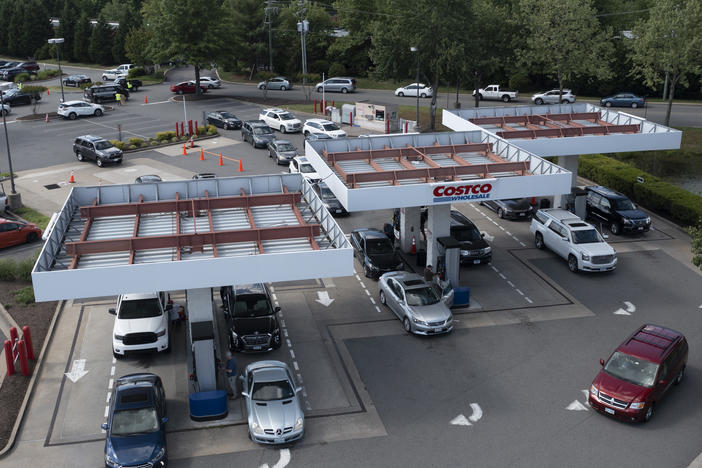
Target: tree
x=195, y=32
x=696, y=234
x=100, y=48
x=136, y=44
x=249, y=43
x=35, y=93
x=67, y=29
x=81, y=39
x=564, y=40
x=669, y=45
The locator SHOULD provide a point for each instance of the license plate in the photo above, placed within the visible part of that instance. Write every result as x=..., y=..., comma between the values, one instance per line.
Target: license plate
x=609, y=410
x=475, y=262
x=258, y=347
x=522, y=214
x=337, y=211
x=640, y=228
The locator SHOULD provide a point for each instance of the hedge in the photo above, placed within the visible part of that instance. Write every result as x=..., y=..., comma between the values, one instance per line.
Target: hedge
x=671, y=201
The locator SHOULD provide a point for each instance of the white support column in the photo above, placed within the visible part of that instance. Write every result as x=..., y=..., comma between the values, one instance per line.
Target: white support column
x=438, y=224
x=201, y=323
x=409, y=227
x=569, y=163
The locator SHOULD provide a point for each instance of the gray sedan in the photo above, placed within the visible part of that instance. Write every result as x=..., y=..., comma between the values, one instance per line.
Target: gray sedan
x=282, y=150
x=279, y=82
x=511, y=208
x=272, y=404
x=423, y=308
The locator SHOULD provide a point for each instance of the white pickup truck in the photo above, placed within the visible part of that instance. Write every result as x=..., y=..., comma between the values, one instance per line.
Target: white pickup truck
x=493, y=92
x=115, y=73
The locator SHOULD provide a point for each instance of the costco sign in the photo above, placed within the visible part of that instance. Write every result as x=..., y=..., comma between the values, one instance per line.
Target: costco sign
x=462, y=192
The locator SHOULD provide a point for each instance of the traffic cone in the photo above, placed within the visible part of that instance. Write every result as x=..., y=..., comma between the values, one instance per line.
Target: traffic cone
x=413, y=249
x=202, y=154
x=146, y=101
x=192, y=143
x=46, y=119
x=241, y=168
x=221, y=163
x=47, y=91
x=72, y=179
x=185, y=153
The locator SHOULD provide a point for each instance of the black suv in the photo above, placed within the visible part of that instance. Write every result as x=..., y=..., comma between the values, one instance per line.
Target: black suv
x=474, y=249
x=100, y=93
x=123, y=82
x=257, y=133
x=615, y=210
x=375, y=252
x=16, y=97
x=97, y=149
x=253, y=320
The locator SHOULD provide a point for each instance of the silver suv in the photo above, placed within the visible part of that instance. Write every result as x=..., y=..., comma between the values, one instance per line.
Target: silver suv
x=551, y=97
x=337, y=85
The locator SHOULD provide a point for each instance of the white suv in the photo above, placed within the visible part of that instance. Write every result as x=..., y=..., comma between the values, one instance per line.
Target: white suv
x=141, y=323
x=551, y=97
x=324, y=127
x=302, y=165
x=573, y=239
x=279, y=119
x=115, y=73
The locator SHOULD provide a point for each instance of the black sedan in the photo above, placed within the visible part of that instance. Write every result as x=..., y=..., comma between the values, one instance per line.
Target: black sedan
x=623, y=100
x=375, y=252
x=512, y=208
x=15, y=97
x=282, y=150
x=76, y=80
x=331, y=203
x=224, y=119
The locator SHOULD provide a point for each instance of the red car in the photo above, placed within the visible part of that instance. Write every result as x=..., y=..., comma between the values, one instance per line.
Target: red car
x=16, y=232
x=639, y=373
x=187, y=87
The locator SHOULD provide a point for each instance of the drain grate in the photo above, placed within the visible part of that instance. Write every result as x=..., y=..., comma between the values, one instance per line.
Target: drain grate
x=52, y=186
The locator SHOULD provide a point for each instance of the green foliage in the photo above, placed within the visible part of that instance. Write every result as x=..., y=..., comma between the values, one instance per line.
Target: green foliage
x=122, y=145
x=135, y=45
x=8, y=268
x=66, y=29
x=81, y=38
x=136, y=142
x=174, y=139
x=163, y=136
x=211, y=128
x=136, y=71
x=22, y=77
x=669, y=200
x=696, y=245
x=13, y=270
x=25, y=295
x=33, y=216
x=33, y=89
x=337, y=69
x=100, y=48
x=46, y=74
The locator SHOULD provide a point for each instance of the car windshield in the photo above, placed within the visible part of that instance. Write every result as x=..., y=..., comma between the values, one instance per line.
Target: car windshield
x=307, y=168
x=327, y=194
x=632, y=369
x=101, y=145
x=623, y=204
x=421, y=296
x=134, y=421
x=262, y=131
x=252, y=306
x=287, y=117
x=286, y=147
x=378, y=246
x=139, y=308
x=228, y=115
x=588, y=236
x=330, y=127
x=268, y=391
x=465, y=234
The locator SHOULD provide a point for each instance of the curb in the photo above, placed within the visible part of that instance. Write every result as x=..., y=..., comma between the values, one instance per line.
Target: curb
x=32, y=382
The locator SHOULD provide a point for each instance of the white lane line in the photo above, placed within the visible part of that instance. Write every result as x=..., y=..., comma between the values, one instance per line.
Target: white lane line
x=114, y=360
x=372, y=301
x=377, y=309
x=304, y=393
x=501, y=227
x=109, y=394
x=280, y=314
x=502, y=276
x=282, y=322
x=522, y=243
x=528, y=300
x=107, y=410
x=292, y=354
x=358, y=278
x=285, y=332
x=112, y=371
x=367, y=292
x=510, y=283
x=275, y=298
x=289, y=343
x=109, y=385
x=152, y=103
x=115, y=129
x=276, y=304
x=297, y=368
x=493, y=222
x=494, y=268
x=508, y=233
x=520, y=293
x=272, y=289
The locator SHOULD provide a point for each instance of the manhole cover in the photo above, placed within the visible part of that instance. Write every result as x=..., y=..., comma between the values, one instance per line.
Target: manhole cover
x=52, y=186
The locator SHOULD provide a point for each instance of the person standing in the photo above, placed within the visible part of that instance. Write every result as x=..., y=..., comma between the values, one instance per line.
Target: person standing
x=428, y=274
x=232, y=376
x=19, y=86
x=129, y=86
x=118, y=97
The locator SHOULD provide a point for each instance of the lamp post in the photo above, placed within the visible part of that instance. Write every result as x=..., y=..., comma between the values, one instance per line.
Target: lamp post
x=416, y=51
x=59, y=40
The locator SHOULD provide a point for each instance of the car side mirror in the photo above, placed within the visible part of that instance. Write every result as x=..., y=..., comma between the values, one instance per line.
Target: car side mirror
x=298, y=389
x=482, y=234
x=602, y=362
x=104, y=426
x=164, y=420
x=112, y=311
x=241, y=377
x=564, y=238
x=245, y=394
x=277, y=309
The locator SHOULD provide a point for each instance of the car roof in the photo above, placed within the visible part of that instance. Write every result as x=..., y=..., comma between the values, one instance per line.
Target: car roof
x=605, y=191
x=651, y=342
x=92, y=138
x=301, y=159
x=256, y=123
x=282, y=141
x=319, y=121
x=139, y=296
x=370, y=233
x=274, y=109
x=407, y=279
x=560, y=214
x=75, y=102
x=268, y=365
x=255, y=288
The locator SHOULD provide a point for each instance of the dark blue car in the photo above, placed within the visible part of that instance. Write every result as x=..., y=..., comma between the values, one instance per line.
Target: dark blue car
x=623, y=100
x=136, y=424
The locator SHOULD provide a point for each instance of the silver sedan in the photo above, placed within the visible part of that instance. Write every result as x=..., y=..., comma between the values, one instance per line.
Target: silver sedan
x=423, y=308
x=272, y=404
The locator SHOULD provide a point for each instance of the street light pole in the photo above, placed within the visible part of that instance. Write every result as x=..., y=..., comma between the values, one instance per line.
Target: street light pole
x=59, y=40
x=7, y=141
x=416, y=51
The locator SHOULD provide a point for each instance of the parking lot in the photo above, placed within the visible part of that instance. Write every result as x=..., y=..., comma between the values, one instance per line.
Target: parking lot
x=498, y=391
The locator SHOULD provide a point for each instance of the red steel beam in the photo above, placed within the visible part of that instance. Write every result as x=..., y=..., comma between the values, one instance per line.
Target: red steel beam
x=83, y=237
x=209, y=220
x=408, y=152
x=135, y=231
x=434, y=173
x=252, y=224
x=302, y=222
x=570, y=131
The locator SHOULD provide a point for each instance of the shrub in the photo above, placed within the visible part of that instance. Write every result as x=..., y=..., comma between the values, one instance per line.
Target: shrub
x=211, y=128
x=518, y=80
x=44, y=74
x=337, y=69
x=23, y=77
x=23, y=269
x=158, y=75
x=136, y=141
x=174, y=139
x=163, y=136
x=136, y=71
x=154, y=143
x=25, y=295
x=119, y=144
x=8, y=269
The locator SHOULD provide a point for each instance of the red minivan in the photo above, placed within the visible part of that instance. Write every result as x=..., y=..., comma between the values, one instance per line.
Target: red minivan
x=639, y=373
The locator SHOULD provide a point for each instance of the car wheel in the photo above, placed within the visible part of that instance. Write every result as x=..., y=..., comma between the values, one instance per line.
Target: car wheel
x=366, y=271
x=319, y=90
x=572, y=263
x=634, y=105
x=344, y=90
x=539, y=240
x=649, y=413
x=680, y=376
x=79, y=156
x=180, y=91
x=282, y=129
x=72, y=116
x=401, y=94
x=104, y=78
x=98, y=113
x=500, y=213
x=615, y=229
x=608, y=104
x=505, y=98
x=209, y=86
x=32, y=236
x=538, y=101
x=423, y=95
x=99, y=162
x=262, y=86
x=406, y=325
x=382, y=298
x=283, y=88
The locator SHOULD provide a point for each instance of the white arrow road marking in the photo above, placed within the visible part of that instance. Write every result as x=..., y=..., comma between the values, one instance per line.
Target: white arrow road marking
x=77, y=371
x=628, y=309
x=323, y=298
x=460, y=420
x=576, y=406
x=477, y=412
x=700, y=307
x=282, y=462
x=488, y=236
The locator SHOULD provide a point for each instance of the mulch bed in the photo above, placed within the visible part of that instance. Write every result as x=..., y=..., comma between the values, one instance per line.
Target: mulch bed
x=38, y=317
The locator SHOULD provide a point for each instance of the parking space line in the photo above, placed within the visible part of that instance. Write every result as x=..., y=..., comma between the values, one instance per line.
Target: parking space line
x=508, y=233
x=510, y=283
x=377, y=309
x=520, y=293
x=372, y=301
x=292, y=353
x=152, y=103
x=297, y=368
x=109, y=385
x=109, y=394
x=523, y=244
x=289, y=343
x=107, y=410
x=358, y=277
x=367, y=292
x=502, y=276
x=494, y=268
x=272, y=289
x=528, y=300
x=285, y=332
x=282, y=322
x=112, y=371
x=115, y=129
x=501, y=227
x=274, y=297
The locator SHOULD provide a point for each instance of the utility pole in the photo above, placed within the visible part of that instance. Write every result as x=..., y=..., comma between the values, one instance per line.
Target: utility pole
x=271, y=8
x=303, y=27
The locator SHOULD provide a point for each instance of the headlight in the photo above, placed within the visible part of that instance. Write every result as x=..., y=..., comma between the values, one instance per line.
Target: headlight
x=162, y=332
x=648, y=220
x=416, y=320
x=585, y=257
x=298, y=424
x=109, y=461
x=627, y=221
x=119, y=337
x=594, y=391
x=465, y=252
x=485, y=251
x=159, y=456
x=256, y=428
x=371, y=266
x=637, y=405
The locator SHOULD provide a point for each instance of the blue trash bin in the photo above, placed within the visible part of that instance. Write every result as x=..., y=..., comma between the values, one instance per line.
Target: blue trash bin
x=461, y=296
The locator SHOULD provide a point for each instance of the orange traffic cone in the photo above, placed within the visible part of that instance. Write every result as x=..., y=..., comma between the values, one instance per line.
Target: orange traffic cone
x=413, y=249
x=185, y=153
x=72, y=179
x=192, y=143
x=146, y=101
x=47, y=91
x=202, y=154
x=241, y=168
x=46, y=119
x=221, y=163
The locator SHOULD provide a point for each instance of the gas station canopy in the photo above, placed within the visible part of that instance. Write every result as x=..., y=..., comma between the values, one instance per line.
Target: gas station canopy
x=189, y=234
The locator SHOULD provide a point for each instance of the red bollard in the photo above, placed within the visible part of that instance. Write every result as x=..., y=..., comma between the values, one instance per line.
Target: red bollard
x=177, y=130
x=27, y=335
x=8, y=358
x=405, y=126
x=24, y=366
x=190, y=127
x=13, y=340
x=351, y=119
x=182, y=129
x=387, y=126
x=333, y=105
x=315, y=106
x=197, y=129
